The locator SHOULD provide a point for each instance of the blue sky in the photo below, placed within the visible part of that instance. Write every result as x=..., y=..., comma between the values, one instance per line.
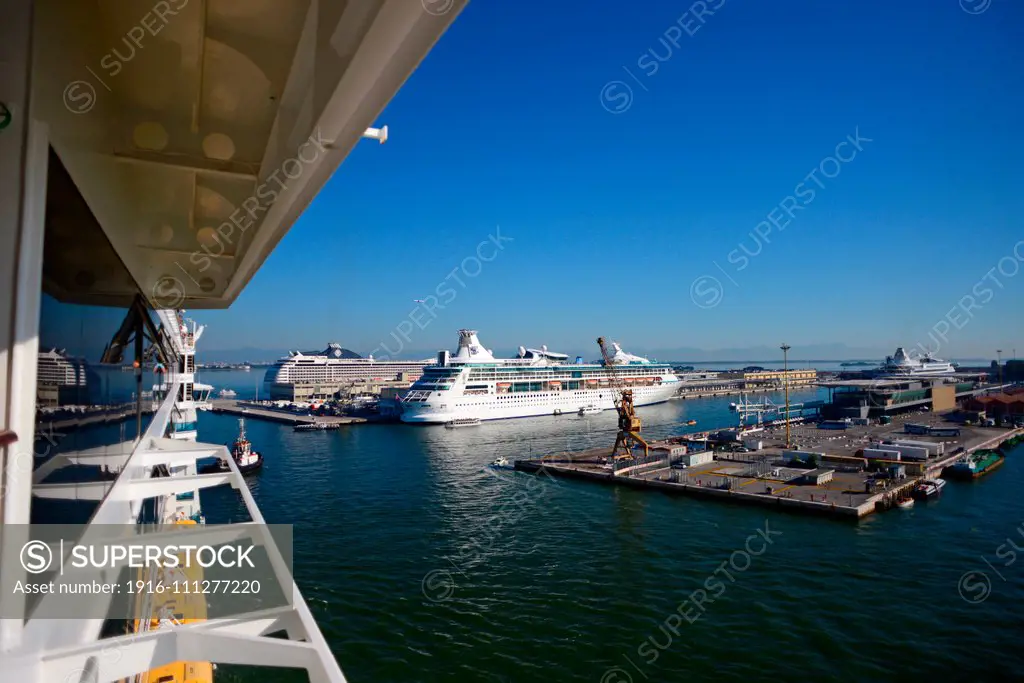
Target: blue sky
x=517, y=120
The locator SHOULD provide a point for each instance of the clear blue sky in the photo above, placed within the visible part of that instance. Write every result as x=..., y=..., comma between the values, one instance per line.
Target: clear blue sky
x=613, y=215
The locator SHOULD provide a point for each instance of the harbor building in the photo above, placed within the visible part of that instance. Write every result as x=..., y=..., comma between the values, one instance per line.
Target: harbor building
x=779, y=378
x=163, y=186
x=860, y=398
x=1001, y=406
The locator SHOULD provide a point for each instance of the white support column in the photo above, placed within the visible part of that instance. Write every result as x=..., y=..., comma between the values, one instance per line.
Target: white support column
x=23, y=167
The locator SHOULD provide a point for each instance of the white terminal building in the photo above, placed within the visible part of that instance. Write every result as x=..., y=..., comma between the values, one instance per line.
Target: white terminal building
x=151, y=157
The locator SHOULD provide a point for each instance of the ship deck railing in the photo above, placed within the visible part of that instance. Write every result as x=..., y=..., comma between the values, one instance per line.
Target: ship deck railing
x=73, y=651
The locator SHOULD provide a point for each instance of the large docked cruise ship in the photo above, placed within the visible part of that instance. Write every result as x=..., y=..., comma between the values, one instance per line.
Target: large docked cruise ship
x=332, y=368
x=62, y=379
x=902, y=365
x=474, y=384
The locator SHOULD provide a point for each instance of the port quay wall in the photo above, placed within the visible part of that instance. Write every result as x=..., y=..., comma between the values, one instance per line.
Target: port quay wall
x=791, y=504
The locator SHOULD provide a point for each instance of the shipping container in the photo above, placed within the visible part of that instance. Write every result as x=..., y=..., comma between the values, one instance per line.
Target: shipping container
x=910, y=428
x=932, y=447
x=753, y=444
x=908, y=452
x=881, y=454
x=694, y=459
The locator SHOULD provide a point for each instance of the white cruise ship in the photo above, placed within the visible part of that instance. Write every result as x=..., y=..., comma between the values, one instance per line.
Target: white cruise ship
x=902, y=365
x=333, y=367
x=62, y=379
x=56, y=367
x=472, y=383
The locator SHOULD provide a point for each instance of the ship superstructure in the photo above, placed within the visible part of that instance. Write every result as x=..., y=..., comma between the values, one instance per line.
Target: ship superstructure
x=472, y=383
x=191, y=395
x=900, y=364
x=181, y=212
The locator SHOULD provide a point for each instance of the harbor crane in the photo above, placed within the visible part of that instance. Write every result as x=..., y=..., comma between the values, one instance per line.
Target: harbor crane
x=628, y=437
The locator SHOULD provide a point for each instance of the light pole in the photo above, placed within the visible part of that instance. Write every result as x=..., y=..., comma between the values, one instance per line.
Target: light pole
x=785, y=378
x=999, y=363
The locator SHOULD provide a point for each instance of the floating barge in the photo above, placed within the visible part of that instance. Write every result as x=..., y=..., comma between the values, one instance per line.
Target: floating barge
x=975, y=465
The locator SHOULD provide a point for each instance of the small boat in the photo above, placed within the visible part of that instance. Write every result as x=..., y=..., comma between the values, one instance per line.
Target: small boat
x=690, y=423
x=590, y=409
x=245, y=458
x=502, y=463
x=314, y=426
x=927, y=488
x=227, y=393
x=462, y=422
x=905, y=504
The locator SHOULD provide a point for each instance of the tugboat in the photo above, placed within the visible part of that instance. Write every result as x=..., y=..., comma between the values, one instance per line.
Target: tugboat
x=245, y=458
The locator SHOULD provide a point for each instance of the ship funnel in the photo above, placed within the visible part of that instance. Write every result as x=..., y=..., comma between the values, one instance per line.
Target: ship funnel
x=470, y=348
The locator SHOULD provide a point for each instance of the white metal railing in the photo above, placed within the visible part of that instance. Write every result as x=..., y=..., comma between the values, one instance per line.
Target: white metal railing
x=71, y=651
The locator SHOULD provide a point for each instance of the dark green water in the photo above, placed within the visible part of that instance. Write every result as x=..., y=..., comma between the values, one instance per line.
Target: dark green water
x=421, y=565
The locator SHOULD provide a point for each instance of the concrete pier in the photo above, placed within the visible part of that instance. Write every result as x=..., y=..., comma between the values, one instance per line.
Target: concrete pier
x=839, y=486
x=242, y=409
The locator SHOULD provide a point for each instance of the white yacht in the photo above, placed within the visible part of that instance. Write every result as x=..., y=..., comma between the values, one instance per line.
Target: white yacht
x=902, y=365
x=472, y=383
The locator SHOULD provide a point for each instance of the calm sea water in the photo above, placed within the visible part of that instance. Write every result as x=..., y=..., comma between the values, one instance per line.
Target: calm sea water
x=422, y=565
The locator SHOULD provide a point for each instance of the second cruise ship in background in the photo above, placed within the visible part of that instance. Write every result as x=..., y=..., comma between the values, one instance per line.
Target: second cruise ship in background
x=474, y=384
x=332, y=368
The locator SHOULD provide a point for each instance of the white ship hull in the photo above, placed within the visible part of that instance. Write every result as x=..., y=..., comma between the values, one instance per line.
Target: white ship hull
x=528, y=404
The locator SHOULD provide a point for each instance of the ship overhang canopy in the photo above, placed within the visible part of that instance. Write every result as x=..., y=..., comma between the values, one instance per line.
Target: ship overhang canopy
x=195, y=132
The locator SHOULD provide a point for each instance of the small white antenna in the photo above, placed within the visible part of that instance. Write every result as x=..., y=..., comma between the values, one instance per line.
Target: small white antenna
x=380, y=134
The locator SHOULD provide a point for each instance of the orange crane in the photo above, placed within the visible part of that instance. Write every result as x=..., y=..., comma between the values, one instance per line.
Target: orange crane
x=628, y=437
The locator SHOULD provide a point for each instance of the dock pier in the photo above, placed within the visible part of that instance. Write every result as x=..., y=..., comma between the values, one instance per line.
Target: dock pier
x=244, y=409
x=838, y=487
